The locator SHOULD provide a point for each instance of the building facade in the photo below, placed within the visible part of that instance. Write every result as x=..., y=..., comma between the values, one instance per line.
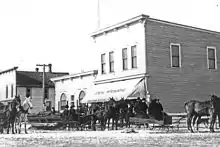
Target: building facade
x=178, y=62
x=71, y=89
x=14, y=82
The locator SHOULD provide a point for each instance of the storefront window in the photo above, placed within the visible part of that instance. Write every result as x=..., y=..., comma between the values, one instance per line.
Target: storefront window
x=63, y=101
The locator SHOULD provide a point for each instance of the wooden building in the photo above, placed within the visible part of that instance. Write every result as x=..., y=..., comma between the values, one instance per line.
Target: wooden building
x=14, y=82
x=71, y=89
x=179, y=62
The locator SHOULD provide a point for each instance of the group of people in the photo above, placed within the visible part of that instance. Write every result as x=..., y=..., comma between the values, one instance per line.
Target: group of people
x=152, y=109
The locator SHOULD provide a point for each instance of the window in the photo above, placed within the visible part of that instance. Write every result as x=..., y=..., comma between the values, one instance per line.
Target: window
x=175, y=55
x=28, y=91
x=48, y=105
x=211, y=55
x=124, y=59
x=73, y=100
x=46, y=93
x=6, y=91
x=63, y=101
x=134, y=57
x=111, y=61
x=103, y=64
x=12, y=90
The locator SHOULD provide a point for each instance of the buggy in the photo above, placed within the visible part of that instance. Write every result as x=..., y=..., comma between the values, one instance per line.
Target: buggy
x=166, y=123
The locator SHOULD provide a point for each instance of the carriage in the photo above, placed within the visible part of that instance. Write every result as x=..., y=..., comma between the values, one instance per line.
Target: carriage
x=168, y=123
x=49, y=121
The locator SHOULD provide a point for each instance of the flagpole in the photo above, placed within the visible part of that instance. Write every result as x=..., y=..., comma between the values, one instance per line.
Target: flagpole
x=98, y=16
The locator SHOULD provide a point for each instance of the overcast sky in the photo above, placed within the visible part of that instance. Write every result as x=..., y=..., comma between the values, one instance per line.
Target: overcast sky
x=57, y=31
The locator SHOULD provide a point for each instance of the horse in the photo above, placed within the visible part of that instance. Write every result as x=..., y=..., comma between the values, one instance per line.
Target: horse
x=11, y=113
x=97, y=113
x=123, y=112
x=23, y=113
x=111, y=112
x=195, y=108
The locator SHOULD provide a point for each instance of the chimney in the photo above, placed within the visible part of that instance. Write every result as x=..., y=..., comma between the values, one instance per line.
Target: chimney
x=36, y=69
x=50, y=67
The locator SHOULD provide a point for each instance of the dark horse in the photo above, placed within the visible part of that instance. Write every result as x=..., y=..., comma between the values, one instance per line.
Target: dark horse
x=111, y=112
x=11, y=113
x=197, y=109
x=97, y=111
x=122, y=107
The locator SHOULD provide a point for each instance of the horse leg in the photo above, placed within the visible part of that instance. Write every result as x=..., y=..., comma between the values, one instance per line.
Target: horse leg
x=113, y=123
x=212, y=122
x=8, y=126
x=12, y=127
x=189, y=126
x=116, y=124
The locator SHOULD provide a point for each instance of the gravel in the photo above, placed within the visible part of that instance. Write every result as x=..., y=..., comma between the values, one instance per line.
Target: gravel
x=109, y=138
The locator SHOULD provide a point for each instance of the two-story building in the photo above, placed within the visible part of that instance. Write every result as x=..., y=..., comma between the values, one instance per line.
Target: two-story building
x=14, y=82
x=178, y=62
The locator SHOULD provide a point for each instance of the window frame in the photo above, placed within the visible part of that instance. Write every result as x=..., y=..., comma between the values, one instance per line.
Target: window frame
x=103, y=63
x=207, y=55
x=6, y=91
x=12, y=90
x=171, y=55
x=125, y=59
x=111, y=62
x=132, y=57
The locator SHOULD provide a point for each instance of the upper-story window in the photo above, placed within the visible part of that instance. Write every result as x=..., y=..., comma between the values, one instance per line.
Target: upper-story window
x=103, y=64
x=111, y=61
x=6, y=91
x=134, y=56
x=12, y=90
x=175, y=55
x=211, y=56
x=124, y=59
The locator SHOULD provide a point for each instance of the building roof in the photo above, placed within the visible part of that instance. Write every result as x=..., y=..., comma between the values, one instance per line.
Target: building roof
x=34, y=78
x=8, y=70
x=71, y=76
x=145, y=17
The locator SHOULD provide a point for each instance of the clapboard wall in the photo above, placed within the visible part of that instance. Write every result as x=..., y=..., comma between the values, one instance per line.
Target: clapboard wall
x=193, y=80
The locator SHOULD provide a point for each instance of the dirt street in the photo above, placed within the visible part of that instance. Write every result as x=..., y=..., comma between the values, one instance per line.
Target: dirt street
x=108, y=138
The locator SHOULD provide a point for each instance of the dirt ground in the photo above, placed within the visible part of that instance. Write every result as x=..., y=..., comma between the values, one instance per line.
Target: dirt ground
x=142, y=137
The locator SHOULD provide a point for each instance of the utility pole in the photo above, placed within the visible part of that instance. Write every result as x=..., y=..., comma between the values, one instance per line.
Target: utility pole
x=43, y=82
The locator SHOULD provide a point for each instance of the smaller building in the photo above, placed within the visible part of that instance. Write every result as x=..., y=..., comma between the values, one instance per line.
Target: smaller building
x=14, y=82
x=71, y=89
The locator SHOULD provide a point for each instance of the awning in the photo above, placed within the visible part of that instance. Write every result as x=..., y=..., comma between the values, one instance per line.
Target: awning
x=140, y=89
x=117, y=90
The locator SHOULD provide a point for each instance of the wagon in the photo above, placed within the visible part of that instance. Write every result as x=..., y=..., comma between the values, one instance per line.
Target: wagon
x=49, y=121
x=166, y=123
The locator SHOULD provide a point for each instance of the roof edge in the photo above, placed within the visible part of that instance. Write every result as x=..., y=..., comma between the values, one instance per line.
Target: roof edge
x=184, y=26
x=120, y=24
x=8, y=70
x=91, y=72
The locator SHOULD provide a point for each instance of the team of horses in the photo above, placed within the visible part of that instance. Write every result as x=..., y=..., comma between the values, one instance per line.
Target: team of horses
x=15, y=113
x=120, y=111
x=116, y=112
x=196, y=109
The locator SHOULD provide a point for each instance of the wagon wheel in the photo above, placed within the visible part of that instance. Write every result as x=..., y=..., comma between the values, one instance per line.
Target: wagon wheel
x=175, y=128
x=151, y=127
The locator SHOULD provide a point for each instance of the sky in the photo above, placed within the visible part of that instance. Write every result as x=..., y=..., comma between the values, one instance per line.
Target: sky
x=58, y=31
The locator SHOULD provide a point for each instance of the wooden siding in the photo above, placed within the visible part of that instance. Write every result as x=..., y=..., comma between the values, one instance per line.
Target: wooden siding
x=193, y=80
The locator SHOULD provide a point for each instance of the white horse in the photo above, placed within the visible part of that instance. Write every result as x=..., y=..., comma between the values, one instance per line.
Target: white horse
x=23, y=112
